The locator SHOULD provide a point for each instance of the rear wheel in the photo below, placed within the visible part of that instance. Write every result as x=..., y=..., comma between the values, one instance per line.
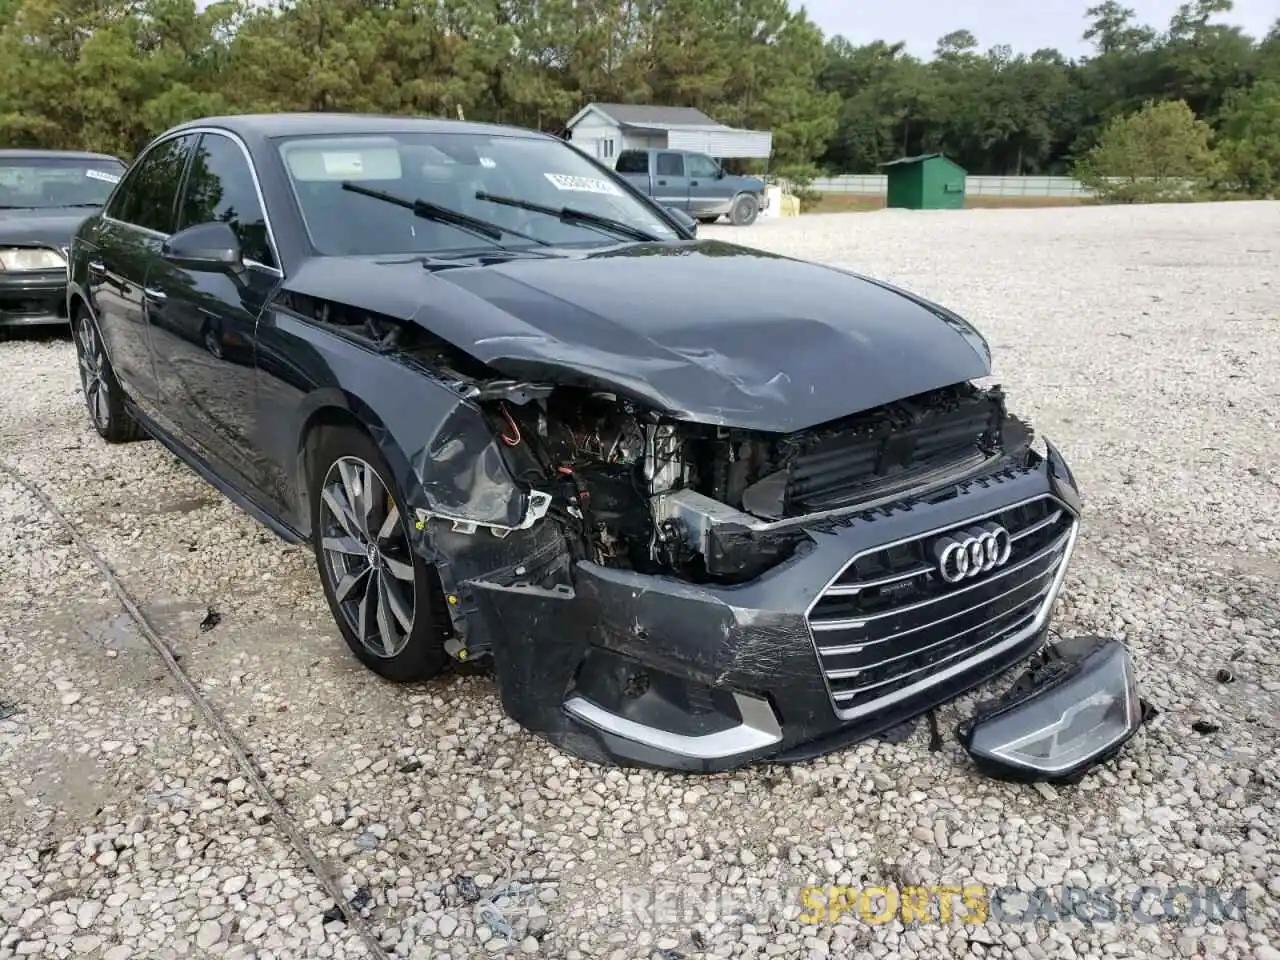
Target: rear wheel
x=745, y=209
x=387, y=600
x=102, y=394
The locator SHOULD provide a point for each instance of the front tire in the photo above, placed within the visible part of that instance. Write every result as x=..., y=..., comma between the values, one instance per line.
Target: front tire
x=386, y=600
x=745, y=210
x=102, y=394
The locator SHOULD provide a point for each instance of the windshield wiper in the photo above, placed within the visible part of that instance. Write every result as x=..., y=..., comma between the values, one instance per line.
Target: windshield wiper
x=572, y=215
x=433, y=211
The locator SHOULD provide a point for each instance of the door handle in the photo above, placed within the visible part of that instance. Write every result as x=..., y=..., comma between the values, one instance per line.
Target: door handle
x=693, y=183
x=156, y=296
x=662, y=183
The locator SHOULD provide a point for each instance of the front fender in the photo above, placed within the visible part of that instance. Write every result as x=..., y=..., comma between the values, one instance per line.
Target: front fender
x=442, y=453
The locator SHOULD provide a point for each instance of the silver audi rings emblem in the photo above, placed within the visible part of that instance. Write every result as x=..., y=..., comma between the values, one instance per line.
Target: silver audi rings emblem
x=970, y=553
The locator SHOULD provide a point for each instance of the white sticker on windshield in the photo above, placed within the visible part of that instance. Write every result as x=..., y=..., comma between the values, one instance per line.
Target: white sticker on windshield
x=562, y=181
x=343, y=164
x=488, y=162
x=102, y=175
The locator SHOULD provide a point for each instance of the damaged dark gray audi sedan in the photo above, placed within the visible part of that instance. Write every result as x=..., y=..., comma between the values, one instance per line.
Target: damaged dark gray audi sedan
x=700, y=504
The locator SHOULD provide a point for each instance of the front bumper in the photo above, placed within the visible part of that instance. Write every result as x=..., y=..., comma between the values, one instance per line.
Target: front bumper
x=31, y=298
x=641, y=670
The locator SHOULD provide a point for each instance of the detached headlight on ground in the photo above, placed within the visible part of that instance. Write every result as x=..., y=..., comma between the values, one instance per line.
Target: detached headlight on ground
x=1075, y=707
x=30, y=259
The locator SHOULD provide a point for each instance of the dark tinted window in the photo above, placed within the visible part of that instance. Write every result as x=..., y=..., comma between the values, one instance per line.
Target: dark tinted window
x=700, y=166
x=670, y=165
x=220, y=187
x=633, y=161
x=148, y=194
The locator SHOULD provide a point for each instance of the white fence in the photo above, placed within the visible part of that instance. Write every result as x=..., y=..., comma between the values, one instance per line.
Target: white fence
x=872, y=183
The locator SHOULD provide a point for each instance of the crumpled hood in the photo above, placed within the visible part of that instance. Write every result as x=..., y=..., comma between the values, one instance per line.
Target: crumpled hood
x=48, y=228
x=705, y=331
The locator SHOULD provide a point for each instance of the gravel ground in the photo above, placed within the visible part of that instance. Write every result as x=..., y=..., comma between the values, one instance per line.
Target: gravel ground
x=1145, y=342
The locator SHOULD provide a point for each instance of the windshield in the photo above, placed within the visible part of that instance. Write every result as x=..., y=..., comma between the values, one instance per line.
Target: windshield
x=448, y=170
x=50, y=182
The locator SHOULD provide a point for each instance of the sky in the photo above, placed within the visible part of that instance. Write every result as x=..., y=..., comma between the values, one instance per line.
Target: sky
x=1026, y=25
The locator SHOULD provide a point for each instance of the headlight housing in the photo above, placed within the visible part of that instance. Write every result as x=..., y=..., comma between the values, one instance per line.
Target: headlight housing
x=1075, y=706
x=31, y=259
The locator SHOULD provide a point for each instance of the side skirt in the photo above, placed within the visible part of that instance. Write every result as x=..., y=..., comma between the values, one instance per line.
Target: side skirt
x=229, y=490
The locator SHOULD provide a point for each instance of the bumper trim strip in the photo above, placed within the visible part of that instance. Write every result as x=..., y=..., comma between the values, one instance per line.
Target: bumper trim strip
x=759, y=729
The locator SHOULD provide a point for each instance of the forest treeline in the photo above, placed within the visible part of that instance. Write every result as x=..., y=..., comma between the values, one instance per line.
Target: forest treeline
x=110, y=74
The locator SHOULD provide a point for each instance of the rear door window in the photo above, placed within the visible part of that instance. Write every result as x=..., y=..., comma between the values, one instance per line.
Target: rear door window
x=632, y=161
x=670, y=165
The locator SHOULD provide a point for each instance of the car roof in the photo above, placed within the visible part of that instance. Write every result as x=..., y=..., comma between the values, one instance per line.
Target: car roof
x=21, y=154
x=264, y=126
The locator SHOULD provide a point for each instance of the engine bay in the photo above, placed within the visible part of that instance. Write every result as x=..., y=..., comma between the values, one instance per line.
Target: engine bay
x=712, y=504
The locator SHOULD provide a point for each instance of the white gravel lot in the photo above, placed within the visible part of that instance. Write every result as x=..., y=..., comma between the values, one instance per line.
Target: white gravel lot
x=1145, y=342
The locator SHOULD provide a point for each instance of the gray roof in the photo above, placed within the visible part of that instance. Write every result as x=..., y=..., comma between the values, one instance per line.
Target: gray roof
x=639, y=115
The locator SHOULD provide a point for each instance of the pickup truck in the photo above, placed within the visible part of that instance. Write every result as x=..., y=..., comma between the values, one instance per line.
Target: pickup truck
x=694, y=183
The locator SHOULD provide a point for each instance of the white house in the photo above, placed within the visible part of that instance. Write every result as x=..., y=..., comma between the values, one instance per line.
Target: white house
x=603, y=130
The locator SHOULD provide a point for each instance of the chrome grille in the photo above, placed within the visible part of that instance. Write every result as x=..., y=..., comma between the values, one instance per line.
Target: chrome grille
x=888, y=627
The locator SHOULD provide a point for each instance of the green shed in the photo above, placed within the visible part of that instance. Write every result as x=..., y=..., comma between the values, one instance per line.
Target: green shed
x=927, y=182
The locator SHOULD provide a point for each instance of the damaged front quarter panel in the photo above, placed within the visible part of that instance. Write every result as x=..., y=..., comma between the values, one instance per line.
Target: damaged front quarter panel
x=415, y=394
x=462, y=478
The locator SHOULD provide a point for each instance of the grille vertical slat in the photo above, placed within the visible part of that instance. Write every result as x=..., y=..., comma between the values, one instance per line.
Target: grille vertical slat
x=890, y=626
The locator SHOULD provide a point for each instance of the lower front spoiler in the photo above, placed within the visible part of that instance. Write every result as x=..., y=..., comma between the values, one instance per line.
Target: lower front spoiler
x=758, y=736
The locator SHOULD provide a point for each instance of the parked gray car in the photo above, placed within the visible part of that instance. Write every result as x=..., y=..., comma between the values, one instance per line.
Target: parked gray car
x=694, y=183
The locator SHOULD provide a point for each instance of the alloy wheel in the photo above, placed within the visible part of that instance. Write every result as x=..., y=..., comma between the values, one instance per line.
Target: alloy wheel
x=92, y=363
x=367, y=556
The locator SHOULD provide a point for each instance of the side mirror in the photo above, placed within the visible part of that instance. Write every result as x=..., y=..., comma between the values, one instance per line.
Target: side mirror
x=720, y=174
x=687, y=223
x=208, y=247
